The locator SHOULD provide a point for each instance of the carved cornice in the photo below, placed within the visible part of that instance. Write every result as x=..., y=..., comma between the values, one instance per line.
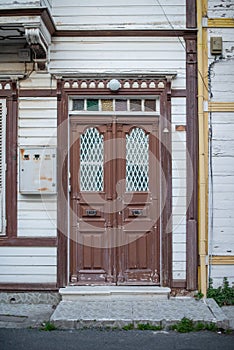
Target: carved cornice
x=92, y=84
x=39, y=45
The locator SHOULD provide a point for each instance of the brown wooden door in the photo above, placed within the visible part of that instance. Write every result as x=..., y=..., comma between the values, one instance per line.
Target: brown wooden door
x=114, y=201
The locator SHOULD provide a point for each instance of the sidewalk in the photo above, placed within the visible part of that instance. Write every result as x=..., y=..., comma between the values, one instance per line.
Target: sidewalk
x=114, y=313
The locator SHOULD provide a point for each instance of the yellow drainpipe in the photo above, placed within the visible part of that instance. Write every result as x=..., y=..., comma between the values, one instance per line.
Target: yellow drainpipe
x=203, y=147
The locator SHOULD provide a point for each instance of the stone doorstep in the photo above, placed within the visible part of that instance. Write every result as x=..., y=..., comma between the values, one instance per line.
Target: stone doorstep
x=96, y=313
x=73, y=293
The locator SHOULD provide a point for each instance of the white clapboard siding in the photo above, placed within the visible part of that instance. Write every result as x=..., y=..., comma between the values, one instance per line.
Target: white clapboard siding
x=121, y=14
x=179, y=188
x=218, y=272
x=220, y=9
x=38, y=81
x=2, y=164
x=222, y=88
x=37, y=216
x=28, y=264
x=222, y=72
x=102, y=55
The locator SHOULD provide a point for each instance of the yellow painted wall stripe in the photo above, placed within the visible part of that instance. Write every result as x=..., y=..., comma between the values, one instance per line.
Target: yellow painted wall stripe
x=222, y=260
x=221, y=22
x=221, y=106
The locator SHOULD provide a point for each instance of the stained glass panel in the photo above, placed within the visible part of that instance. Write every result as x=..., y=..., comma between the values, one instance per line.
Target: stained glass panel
x=135, y=105
x=121, y=105
x=91, y=161
x=78, y=105
x=92, y=105
x=137, y=161
x=107, y=105
x=150, y=105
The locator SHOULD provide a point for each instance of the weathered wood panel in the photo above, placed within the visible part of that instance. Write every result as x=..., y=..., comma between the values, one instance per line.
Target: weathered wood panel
x=222, y=88
x=222, y=71
x=27, y=265
x=220, y=8
x=25, y=3
x=120, y=14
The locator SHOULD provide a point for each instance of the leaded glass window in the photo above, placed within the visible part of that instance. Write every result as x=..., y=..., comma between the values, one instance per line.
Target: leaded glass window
x=137, y=161
x=91, y=161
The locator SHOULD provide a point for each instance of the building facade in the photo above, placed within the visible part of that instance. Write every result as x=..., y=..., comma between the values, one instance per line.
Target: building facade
x=101, y=158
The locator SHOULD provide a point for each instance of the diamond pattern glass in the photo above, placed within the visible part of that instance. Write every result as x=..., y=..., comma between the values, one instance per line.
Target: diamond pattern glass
x=137, y=161
x=91, y=161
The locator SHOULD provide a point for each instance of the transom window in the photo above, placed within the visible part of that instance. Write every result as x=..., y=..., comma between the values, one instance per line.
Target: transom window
x=122, y=104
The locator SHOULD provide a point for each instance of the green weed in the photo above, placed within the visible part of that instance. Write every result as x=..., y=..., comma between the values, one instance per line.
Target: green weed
x=223, y=295
x=128, y=327
x=148, y=327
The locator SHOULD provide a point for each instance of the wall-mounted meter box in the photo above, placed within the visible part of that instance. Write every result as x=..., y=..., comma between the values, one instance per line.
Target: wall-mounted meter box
x=37, y=170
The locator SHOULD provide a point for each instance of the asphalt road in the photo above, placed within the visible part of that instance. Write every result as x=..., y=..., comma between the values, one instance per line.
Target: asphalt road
x=33, y=339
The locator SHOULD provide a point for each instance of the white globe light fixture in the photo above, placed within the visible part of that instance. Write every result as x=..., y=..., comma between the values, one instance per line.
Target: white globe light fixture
x=114, y=85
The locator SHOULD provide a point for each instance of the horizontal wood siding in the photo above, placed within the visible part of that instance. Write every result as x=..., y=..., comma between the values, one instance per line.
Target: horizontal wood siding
x=179, y=188
x=221, y=241
x=121, y=14
x=220, y=9
x=222, y=72
x=27, y=265
x=37, y=127
x=220, y=271
x=119, y=55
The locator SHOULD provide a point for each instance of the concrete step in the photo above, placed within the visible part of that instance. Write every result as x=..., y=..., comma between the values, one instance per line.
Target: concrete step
x=77, y=293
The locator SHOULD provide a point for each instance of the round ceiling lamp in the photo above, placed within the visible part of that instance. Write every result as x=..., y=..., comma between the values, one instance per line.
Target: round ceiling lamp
x=114, y=85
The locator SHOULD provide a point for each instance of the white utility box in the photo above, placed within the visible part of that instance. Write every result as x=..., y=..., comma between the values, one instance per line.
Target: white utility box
x=37, y=170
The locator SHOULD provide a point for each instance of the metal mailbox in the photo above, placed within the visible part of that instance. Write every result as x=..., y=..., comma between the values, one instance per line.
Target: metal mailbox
x=37, y=170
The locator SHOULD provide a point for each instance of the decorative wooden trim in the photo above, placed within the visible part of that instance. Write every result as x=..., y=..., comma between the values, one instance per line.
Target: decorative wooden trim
x=62, y=166
x=191, y=13
x=127, y=32
x=38, y=93
x=8, y=91
x=220, y=22
x=192, y=164
x=28, y=242
x=221, y=260
x=221, y=106
x=28, y=287
x=178, y=284
x=101, y=85
x=166, y=164
x=42, y=12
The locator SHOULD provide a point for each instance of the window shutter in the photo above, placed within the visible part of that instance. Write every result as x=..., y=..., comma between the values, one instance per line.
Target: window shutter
x=2, y=165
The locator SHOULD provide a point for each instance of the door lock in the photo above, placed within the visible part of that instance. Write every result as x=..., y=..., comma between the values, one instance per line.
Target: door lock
x=91, y=212
x=137, y=212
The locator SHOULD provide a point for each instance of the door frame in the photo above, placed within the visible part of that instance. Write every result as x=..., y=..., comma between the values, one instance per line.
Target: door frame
x=117, y=269
x=160, y=87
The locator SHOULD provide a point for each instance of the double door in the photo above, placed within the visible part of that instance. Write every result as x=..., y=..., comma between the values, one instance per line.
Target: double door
x=114, y=200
